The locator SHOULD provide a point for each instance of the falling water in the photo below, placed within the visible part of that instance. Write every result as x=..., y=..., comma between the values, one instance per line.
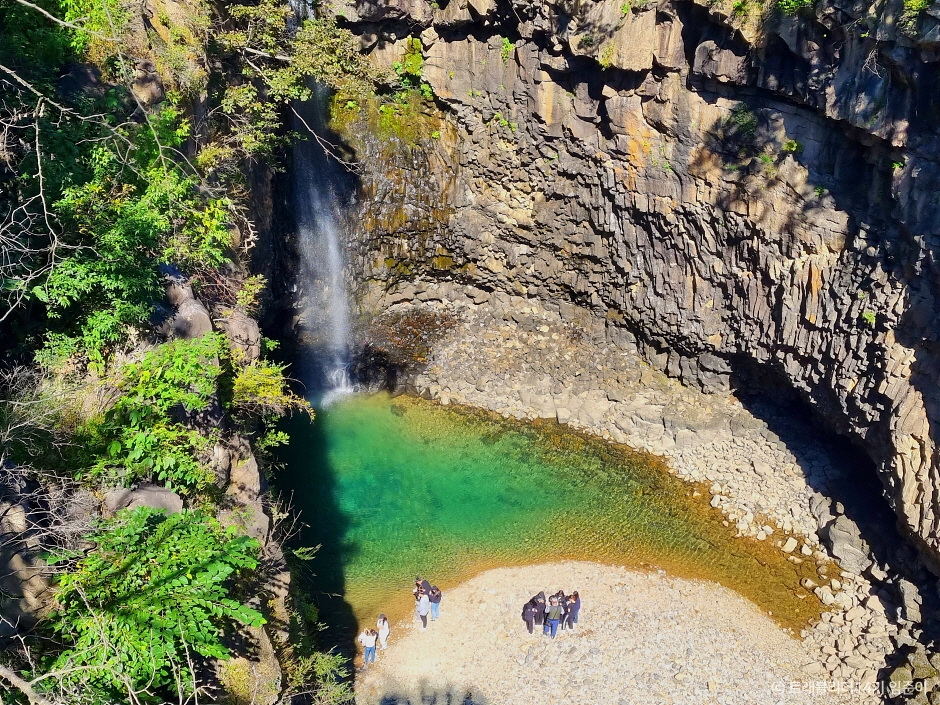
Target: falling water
x=325, y=317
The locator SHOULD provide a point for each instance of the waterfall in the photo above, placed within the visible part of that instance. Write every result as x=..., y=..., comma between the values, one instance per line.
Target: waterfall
x=318, y=182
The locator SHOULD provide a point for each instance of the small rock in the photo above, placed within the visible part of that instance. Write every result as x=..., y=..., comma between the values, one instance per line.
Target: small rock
x=814, y=669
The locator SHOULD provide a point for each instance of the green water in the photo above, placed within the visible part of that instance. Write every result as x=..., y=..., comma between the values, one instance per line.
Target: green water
x=391, y=488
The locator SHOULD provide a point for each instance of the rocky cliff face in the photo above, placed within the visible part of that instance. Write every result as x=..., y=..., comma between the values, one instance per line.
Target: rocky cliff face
x=724, y=191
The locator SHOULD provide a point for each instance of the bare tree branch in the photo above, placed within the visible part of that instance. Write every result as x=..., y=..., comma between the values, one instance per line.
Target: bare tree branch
x=328, y=147
x=24, y=687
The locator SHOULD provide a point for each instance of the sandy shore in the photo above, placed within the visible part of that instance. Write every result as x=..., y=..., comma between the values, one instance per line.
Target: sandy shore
x=642, y=638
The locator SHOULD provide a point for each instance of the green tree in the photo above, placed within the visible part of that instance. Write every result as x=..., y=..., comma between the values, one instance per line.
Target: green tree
x=152, y=595
x=139, y=438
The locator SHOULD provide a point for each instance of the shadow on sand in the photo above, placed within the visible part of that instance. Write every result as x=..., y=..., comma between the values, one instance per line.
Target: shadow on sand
x=430, y=696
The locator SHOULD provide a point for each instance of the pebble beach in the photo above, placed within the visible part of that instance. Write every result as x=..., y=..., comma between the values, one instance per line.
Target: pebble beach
x=643, y=637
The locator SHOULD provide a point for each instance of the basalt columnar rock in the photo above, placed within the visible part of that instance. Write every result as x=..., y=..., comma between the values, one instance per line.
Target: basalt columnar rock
x=726, y=192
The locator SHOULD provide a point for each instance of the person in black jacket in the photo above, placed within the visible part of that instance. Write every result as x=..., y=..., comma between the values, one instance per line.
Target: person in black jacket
x=539, y=602
x=528, y=615
x=574, y=606
x=435, y=597
x=421, y=584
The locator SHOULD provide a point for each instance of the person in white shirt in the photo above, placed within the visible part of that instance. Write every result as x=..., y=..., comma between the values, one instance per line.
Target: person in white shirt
x=368, y=639
x=384, y=630
x=422, y=607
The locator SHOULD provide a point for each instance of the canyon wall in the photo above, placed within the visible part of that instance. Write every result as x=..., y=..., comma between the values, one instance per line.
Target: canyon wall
x=725, y=191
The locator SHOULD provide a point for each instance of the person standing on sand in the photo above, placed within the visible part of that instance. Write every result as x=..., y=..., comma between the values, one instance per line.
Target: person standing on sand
x=421, y=584
x=384, y=631
x=367, y=639
x=574, y=606
x=539, y=602
x=434, y=597
x=422, y=607
x=553, y=615
x=563, y=603
x=528, y=615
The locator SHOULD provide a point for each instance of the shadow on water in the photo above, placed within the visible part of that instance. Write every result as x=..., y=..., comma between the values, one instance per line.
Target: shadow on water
x=310, y=482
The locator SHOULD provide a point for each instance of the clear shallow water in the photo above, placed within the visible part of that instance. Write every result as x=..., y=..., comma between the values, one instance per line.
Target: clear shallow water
x=391, y=488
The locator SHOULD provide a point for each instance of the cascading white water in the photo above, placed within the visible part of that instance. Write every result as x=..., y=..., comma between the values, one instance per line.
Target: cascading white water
x=321, y=236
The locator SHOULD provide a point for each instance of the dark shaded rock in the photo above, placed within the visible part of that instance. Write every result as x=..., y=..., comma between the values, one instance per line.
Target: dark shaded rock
x=719, y=63
x=147, y=85
x=81, y=80
x=414, y=11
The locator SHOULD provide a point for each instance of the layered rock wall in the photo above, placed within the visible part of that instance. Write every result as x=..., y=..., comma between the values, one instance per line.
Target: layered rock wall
x=724, y=191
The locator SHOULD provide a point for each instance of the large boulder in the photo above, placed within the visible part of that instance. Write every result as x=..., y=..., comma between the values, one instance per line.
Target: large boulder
x=413, y=11
x=243, y=334
x=24, y=585
x=147, y=86
x=185, y=317
x=847, y=544
x=145, y=495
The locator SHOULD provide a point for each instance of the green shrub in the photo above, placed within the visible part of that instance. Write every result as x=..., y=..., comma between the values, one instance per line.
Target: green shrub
x=153, y=592
x=138, y=438
x=411, y=66
x=869, y=317
x=791, y=7
x=260, y=389
x=247, y=297
x=792, y=146
x=740, y=8
x=506, y=49
x=323, y=673
x=743, y=121
x=912, y=12
x=122, y=216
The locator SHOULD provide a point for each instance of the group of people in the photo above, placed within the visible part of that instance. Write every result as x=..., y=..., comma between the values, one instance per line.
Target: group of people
x=370, y=637
x=558, y=610
x=427, y=601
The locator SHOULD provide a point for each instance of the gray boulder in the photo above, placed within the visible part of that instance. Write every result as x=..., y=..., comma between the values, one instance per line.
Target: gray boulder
x=147, y=86
x=847, y=545
x=243, y=334
x=911, y=600
x=146, y=495
x=187, y=317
